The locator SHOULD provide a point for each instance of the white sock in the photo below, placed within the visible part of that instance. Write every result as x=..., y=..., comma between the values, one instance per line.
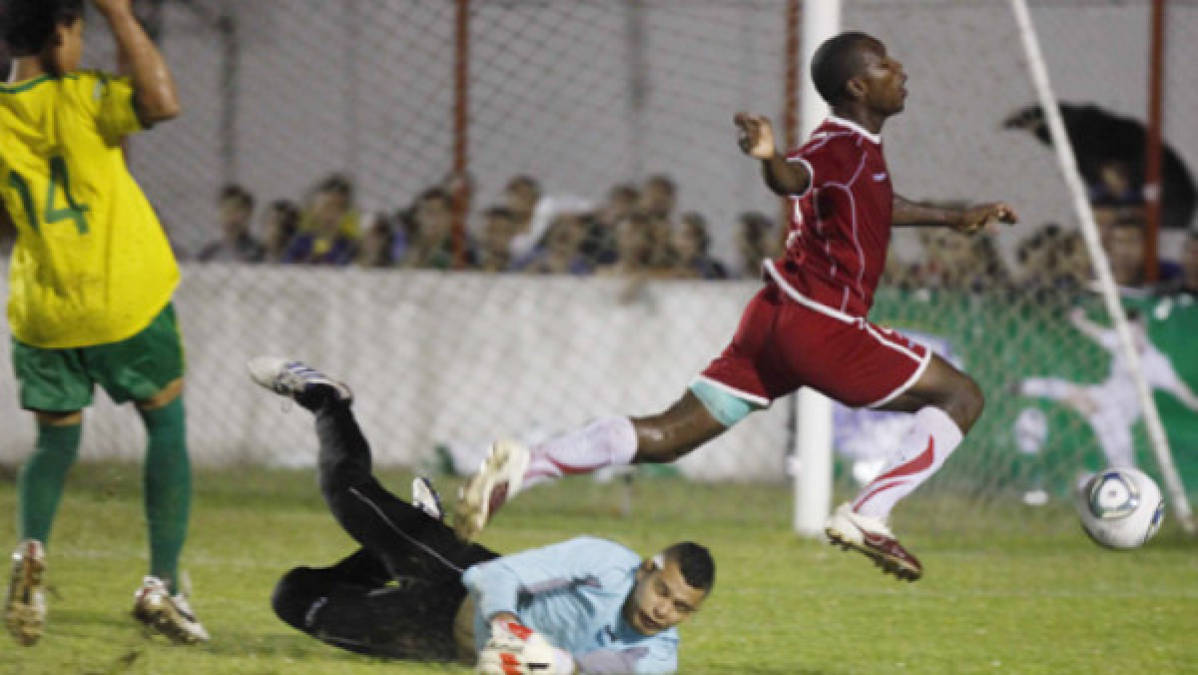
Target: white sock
x=605, y=442
x=920, y=454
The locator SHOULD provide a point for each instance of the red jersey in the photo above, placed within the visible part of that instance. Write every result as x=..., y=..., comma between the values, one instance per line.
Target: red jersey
x=839, y=227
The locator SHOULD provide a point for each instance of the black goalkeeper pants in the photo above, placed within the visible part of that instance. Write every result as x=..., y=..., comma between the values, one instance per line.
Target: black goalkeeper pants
x=396, y=596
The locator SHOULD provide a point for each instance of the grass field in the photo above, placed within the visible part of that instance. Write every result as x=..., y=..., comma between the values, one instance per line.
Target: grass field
x=1011, y=589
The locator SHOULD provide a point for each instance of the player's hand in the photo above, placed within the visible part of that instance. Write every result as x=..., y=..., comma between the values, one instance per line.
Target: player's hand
x=516, y=649
x=981, y=216
x=755, y=135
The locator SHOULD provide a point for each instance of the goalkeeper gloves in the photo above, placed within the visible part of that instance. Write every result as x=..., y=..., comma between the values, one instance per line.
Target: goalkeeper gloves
x=516, y=649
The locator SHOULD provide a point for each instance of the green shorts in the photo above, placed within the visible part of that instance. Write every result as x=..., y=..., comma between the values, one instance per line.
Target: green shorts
x=133, y=369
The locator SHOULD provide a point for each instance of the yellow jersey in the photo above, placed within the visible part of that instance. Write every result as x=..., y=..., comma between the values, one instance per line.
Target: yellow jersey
x=91, y=264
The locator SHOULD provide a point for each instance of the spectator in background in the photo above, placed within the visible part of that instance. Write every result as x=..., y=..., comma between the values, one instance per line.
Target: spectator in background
x=375, y=249
x=235, y=244
x=520, y=196
x=658, y=198
x=329, y=230
x=495, y=250
x=634, y=247
x=560, y=250
x=957, y=261
x=691, y=245
x=432, y=246
x=535, y=211
x=1036, y=255
x=600, y=244
x=1187, y=280
x=755, y=242
x=281, y=222
x=1125, y=249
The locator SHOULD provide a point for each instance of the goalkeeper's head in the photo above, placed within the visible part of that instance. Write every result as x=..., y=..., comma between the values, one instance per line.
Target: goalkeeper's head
x=49, y=30
x=669, y=588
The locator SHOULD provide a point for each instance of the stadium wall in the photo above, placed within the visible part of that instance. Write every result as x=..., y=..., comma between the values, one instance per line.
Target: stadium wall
x=433, y=358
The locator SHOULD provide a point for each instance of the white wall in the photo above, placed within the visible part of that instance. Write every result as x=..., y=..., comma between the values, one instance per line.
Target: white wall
x=433, y=358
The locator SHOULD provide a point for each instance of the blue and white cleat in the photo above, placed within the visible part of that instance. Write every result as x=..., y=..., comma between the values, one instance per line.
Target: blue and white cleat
x=292, y=378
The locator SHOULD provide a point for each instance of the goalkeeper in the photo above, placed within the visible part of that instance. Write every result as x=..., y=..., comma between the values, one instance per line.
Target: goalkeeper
x=415, y=591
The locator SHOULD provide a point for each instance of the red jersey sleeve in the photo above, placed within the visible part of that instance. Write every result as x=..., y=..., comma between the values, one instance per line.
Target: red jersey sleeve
x=824, y=156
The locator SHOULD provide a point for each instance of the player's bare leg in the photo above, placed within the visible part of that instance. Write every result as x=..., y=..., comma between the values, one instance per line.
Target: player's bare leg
x=610, y=441
x=946, y=403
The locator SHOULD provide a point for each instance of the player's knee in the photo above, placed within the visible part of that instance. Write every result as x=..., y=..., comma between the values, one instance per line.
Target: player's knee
x=969, y=401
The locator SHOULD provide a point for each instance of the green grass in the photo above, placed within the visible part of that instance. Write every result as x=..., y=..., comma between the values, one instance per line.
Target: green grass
x=1008, y=589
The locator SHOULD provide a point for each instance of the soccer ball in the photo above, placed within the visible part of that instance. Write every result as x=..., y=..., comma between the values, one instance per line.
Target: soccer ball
x=1120, y=508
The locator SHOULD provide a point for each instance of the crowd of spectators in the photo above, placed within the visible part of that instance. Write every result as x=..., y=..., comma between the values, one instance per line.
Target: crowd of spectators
x=632, y=231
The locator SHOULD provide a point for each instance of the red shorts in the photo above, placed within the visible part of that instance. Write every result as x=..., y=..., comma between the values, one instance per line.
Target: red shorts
x=782, y=345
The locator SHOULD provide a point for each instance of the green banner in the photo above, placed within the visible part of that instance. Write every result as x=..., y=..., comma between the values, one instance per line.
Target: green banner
x=1060, y=400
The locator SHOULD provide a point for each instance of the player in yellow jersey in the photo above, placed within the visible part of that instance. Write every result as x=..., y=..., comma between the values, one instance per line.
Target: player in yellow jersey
x=90, y=291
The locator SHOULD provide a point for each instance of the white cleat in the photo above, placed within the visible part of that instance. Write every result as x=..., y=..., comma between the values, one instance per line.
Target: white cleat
x=167, y=614
x=498, y=480
x=870, y=536
x=425, y=498
x=291, y=378
x=25, y=604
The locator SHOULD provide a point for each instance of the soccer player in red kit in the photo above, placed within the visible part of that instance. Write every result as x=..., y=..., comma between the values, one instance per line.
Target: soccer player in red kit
x=807, y=326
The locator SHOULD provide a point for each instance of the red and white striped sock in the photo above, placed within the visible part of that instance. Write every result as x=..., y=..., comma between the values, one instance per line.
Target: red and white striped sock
x=920, y=454
x=605, y=442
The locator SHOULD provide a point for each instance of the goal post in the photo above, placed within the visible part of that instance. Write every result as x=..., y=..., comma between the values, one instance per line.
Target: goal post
x=813, y=419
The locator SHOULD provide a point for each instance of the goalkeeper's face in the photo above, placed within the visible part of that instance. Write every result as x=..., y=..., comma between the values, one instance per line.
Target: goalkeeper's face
x=661, y=598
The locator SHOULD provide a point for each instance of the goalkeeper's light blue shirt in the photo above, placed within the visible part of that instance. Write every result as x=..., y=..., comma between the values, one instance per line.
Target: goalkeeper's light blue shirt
x=573, y=593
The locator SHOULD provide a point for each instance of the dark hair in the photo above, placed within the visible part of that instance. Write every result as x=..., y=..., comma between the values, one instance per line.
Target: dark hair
x=663, y=181
x=289, y=215
x=755, y=223
x=835, y=63
x=29, y=24
x=695, y=563
x=1132, y=218
x=435, y=193
x=498, y=212
x=238, y=193
x=525, y=180
x=338, y=184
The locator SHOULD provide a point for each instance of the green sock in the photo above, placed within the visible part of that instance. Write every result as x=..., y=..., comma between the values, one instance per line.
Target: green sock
x=167, y=481
x=39, y=486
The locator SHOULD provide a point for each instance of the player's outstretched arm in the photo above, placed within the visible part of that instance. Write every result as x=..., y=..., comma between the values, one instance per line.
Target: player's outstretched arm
x=907, y=213
x=755, y=136
x=153, y=86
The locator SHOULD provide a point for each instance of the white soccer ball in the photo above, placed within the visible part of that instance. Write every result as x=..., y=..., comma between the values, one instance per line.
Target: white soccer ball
x=1120, y=507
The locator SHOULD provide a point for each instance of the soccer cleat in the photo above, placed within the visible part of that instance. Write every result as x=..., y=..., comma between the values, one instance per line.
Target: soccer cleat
x=498, y=479
x=170, y=615
x=292, y=378
x=25, y=605
x=425, y=498
x=872, y=537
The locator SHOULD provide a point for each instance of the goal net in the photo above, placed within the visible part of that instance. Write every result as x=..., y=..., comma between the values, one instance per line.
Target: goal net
x=585, y=97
